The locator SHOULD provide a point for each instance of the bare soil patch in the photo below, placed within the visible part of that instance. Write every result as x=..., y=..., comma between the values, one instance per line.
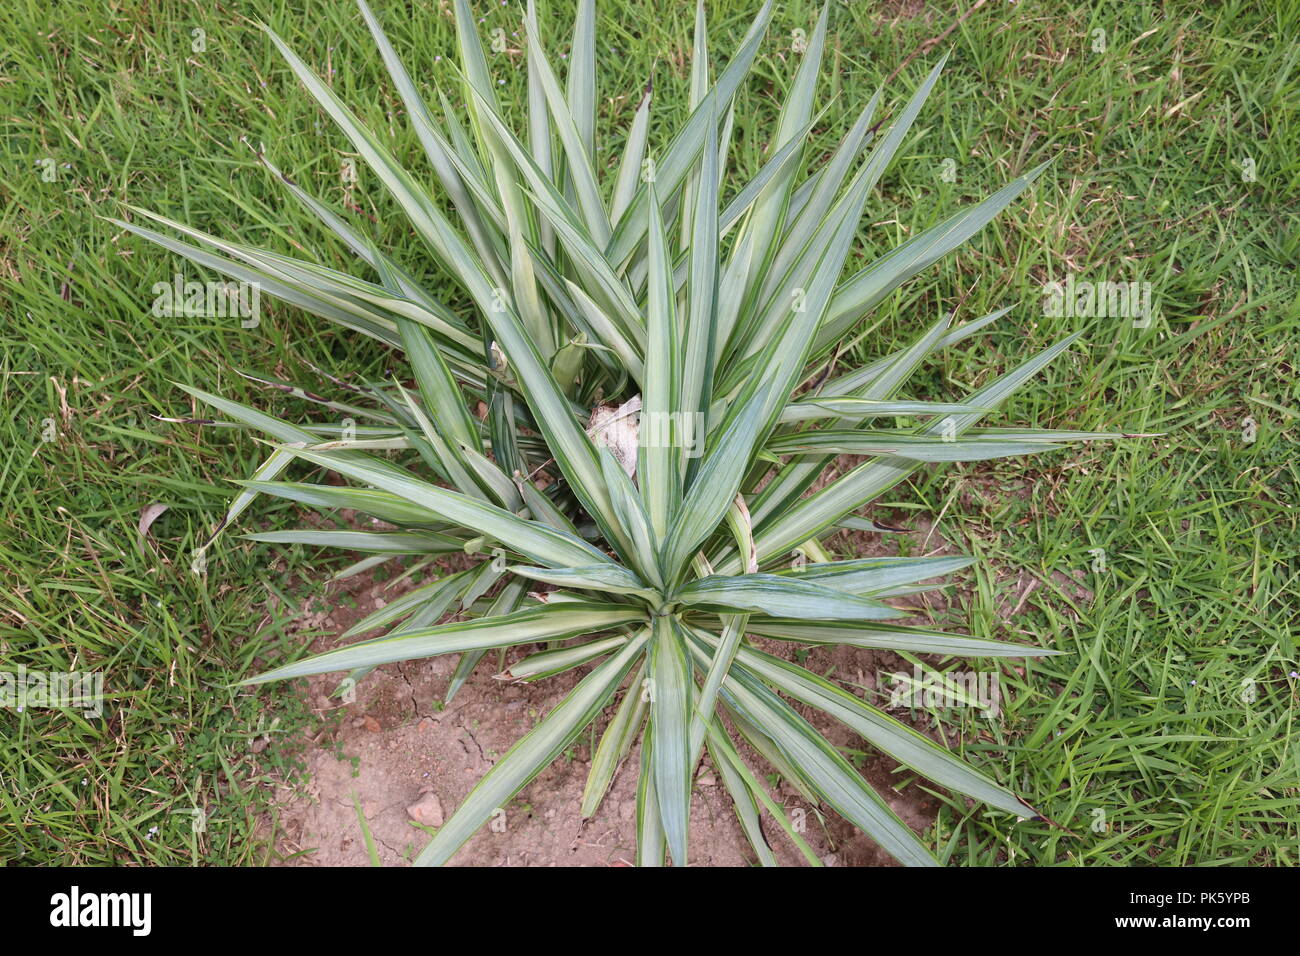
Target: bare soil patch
x=400, y=755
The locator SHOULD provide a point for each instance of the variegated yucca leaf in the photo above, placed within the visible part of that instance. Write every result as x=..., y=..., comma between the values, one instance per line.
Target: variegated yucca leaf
x=623, y=410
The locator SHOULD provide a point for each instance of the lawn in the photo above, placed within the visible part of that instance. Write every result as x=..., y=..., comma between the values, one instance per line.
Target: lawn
x=1166, y=567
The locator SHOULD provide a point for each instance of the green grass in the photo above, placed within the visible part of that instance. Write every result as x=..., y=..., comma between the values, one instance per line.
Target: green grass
x=1146, y=718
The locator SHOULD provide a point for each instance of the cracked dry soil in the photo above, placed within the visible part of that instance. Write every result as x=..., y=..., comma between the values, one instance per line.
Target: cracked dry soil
x=397, y=753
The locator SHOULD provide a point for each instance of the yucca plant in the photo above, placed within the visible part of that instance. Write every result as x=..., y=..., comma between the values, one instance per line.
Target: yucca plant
x=624, y=419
